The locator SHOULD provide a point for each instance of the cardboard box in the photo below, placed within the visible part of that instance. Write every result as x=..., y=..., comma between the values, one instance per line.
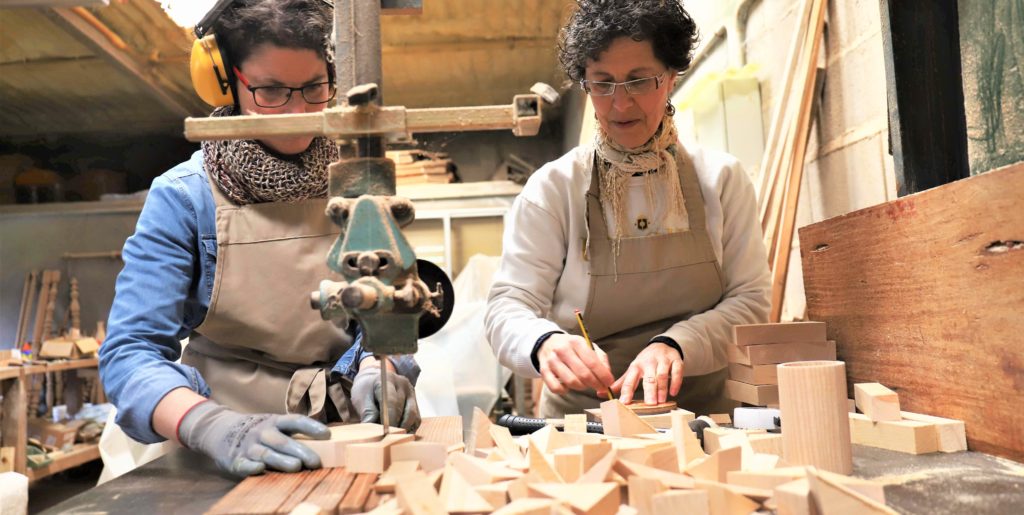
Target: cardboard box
x=63, y=348
x=51, y=435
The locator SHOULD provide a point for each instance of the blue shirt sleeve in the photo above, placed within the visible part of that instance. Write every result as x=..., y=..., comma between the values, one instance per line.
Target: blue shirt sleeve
x=348, y=365
x=147, y=318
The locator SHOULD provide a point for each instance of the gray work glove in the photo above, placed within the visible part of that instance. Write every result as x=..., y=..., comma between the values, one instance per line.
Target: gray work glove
x=244, y=445
x=402, y=408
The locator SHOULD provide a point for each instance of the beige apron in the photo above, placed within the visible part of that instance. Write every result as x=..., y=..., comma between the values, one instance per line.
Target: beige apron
x=662, y=279
x=261, y=348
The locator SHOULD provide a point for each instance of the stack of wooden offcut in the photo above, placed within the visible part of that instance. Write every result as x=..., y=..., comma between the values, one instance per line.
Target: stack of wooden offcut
x=630, y=469
x=758, y=348
x=421, y=167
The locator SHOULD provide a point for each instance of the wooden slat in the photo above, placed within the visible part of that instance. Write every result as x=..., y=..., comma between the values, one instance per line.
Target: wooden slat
x=923, y=294
x=331, y=490
x=13, y=414
x=258, y=494
x=310, y=480
x=357, y=494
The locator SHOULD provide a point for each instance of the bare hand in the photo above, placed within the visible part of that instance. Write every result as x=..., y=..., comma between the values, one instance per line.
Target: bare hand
x=568, y=363
x=661, y=368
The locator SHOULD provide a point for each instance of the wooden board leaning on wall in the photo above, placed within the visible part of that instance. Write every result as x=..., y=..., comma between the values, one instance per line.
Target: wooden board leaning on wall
x=924, y=294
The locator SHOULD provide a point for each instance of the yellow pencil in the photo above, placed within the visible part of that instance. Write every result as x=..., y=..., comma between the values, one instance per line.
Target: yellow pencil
x=579, y=318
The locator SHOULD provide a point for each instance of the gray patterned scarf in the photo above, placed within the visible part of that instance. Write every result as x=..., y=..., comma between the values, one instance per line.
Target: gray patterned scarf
x=248, y=173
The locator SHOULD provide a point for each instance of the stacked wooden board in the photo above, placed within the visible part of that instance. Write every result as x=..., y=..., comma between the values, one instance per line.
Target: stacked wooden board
x=882, y=424
x=631, y=469
x=758, y=348
x=421, y=167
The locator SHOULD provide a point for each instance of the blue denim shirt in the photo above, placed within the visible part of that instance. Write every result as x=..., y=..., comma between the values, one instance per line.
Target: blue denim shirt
x=163, y=293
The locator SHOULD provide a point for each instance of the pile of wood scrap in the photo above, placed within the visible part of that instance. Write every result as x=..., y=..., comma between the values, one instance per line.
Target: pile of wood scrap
x=632, y=468
x=882, y=424
x=422, y=167
x=758, y=348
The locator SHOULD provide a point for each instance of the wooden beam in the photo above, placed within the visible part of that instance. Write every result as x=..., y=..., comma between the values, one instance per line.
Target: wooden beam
x=923, y=294
x=927, y=125
x=92, y=38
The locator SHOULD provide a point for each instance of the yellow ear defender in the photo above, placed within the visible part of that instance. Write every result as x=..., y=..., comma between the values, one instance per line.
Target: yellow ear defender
x=211, y=71
x=211, y=75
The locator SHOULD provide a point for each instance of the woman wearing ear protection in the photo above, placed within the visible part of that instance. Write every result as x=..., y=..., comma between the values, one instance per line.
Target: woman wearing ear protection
x=225, y=252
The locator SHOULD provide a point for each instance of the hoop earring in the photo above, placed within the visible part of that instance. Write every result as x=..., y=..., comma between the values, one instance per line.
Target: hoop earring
x=670, y=109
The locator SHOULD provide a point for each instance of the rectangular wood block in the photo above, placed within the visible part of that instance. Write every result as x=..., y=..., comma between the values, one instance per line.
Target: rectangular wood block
x=894, y=281
x=782, y=352
x=902, y=436
x=758, y=395
x=373, y=457
x=757, y=334
x=876, y=401
x=952, y=433
x=756, y=374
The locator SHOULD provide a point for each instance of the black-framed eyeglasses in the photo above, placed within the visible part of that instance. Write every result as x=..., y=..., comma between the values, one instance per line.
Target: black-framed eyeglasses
x=633, y=87
x=277, y=96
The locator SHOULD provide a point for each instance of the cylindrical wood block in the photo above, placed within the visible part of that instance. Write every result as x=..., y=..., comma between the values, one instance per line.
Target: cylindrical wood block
x=815, y=424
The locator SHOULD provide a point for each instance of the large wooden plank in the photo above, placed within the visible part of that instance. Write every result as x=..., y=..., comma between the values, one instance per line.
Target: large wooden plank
x=924, y=294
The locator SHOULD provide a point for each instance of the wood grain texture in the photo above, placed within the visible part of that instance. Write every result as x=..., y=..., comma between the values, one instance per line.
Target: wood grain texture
x=812, y=401
x=331, y=490
x=757, y=334
x=923, y=294
x=258, y=494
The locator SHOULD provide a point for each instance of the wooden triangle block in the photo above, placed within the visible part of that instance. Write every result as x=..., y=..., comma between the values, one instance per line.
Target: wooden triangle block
x=591, y=499
x=542, y=436
x=479, y=471
x=725, y=501
x=627, y=469
x=665, y=459
x=459, y=496
x=526, y=506
x=496, y=494
x=503, y=440
x=619, y=420
x=641, y=492
x=430, y=455
x=717, y=466
x=387, y=481
x=832, y=498
x=685, y=441
x=479, y=432
x=569, y=462
x=541, y=470
x=598, y=471
x=416, y=495
x=678, y=502
x=593, y=452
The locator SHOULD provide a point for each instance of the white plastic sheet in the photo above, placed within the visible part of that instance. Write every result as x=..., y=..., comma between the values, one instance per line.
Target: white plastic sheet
x=459, y=369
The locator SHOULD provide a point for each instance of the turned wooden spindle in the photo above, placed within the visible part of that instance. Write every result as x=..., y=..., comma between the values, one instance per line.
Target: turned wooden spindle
x=76, y=311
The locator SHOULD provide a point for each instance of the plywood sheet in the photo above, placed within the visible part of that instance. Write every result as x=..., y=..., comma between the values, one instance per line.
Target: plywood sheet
x=923, y=294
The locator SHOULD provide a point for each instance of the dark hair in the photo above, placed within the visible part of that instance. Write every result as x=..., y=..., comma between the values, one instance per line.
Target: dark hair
x=305, y=24
x=595, y=23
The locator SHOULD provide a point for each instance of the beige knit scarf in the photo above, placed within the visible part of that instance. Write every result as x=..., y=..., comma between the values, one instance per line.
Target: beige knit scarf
x=248, y=173
x=656, y=159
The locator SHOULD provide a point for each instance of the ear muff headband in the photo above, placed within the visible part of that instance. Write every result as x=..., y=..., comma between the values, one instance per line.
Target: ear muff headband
x=210, y=76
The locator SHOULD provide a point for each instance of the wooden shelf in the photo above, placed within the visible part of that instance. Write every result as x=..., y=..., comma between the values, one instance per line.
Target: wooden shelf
x=57, y=366
x=9, y=372
x=79, y=454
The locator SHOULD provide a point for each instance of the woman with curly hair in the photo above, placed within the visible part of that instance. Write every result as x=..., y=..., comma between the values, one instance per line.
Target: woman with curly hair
x=657, y=243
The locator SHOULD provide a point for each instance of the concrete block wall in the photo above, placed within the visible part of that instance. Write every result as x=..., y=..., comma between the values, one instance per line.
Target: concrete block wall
x=848, y=166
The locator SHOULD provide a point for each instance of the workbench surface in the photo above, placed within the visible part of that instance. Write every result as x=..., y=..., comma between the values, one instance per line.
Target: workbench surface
x=965, y=482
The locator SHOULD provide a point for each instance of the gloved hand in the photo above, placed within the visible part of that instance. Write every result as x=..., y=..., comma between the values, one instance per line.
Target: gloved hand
x=402, y=408
x=244, y=445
